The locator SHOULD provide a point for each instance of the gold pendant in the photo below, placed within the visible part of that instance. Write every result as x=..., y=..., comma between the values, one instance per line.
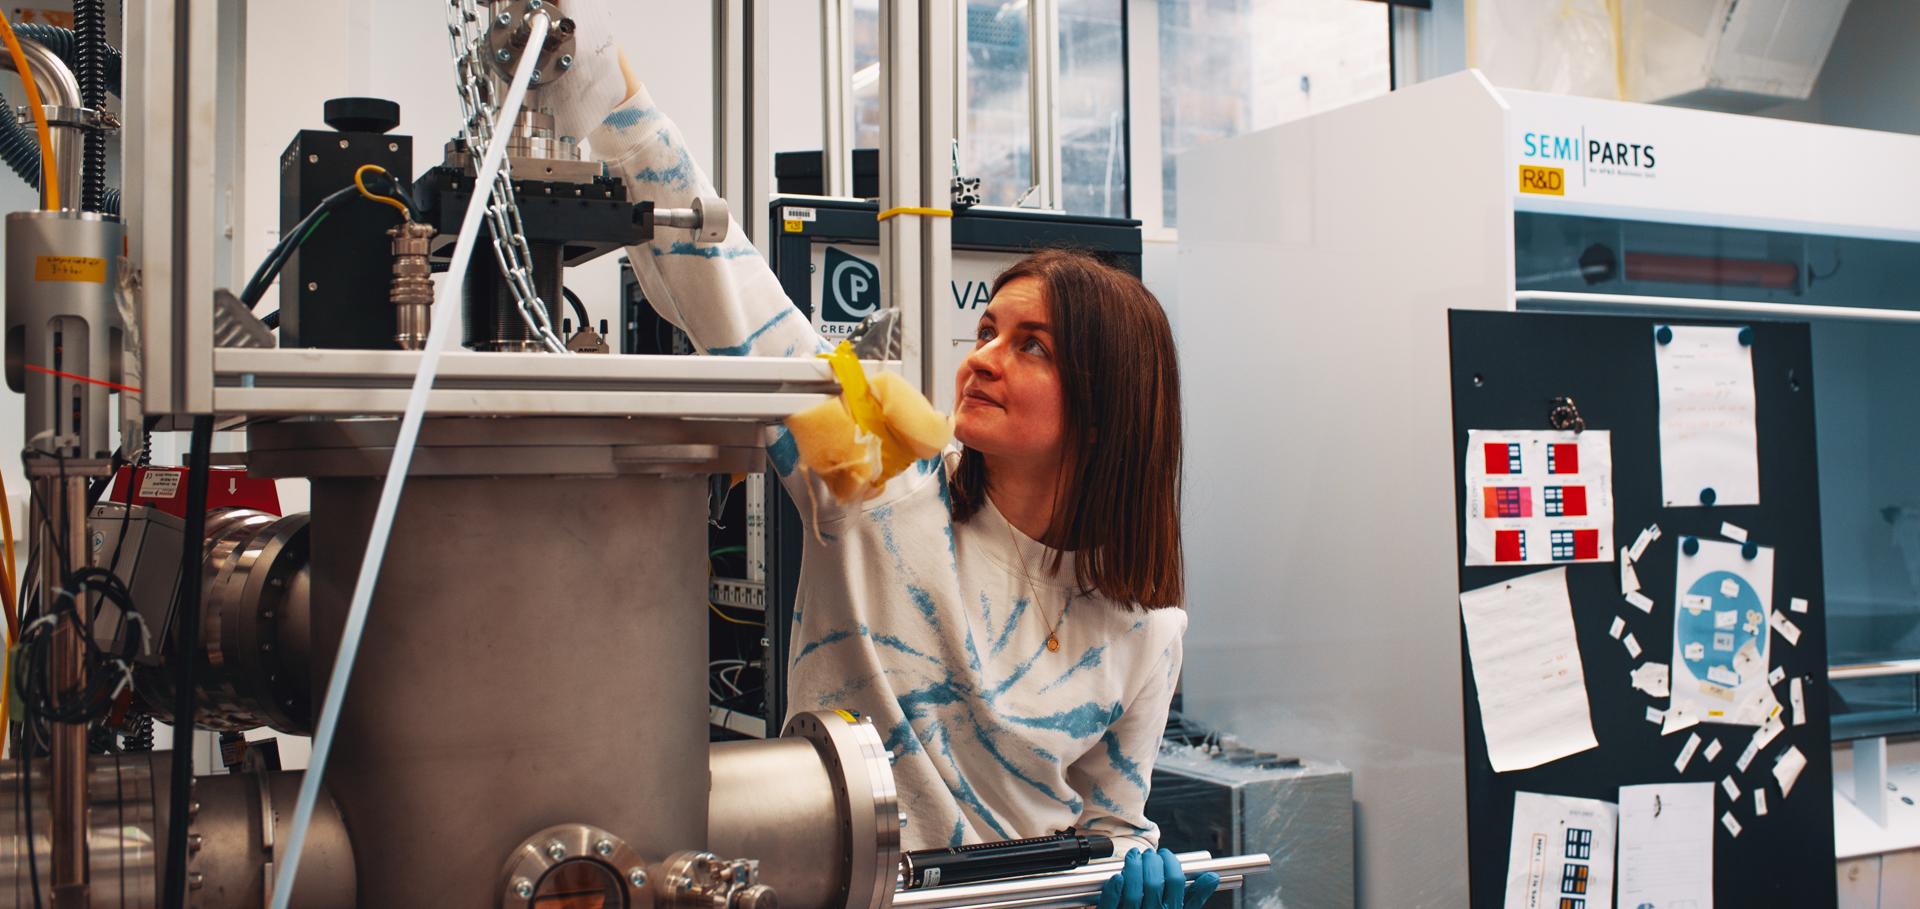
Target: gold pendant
x=1053, y=644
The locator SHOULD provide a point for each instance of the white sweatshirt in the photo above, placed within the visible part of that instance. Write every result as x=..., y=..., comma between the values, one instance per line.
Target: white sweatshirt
x=934, y=629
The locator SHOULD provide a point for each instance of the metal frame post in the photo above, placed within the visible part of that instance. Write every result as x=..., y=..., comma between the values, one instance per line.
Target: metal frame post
x=836, y=92
x=1043, y=117
x=151, y=145
x=1144, y=183
x=916, y=67
x=1870, y=778
x=743, y=158
x=939, y=55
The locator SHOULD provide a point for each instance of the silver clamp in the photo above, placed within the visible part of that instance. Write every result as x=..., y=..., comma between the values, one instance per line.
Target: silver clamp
x=105, y=121
x=708, y=219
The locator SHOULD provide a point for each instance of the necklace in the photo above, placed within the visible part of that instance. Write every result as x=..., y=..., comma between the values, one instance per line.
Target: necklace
x=1053, y=636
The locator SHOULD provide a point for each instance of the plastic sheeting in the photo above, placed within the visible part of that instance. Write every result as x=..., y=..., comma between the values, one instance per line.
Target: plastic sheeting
x=1566, y=47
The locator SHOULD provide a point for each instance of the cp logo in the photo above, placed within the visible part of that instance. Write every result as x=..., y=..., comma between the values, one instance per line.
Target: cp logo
x=852, y=288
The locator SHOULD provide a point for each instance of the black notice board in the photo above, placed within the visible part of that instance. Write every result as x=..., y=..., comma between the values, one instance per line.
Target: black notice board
x=1506, y=369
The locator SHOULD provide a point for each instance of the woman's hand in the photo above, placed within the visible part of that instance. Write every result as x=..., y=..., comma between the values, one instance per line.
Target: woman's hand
x=1153, y=880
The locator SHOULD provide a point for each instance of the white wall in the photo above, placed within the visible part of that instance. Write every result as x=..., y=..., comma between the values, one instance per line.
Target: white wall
x=794, y=86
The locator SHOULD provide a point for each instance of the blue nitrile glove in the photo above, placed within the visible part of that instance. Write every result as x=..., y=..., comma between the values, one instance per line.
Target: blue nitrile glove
x=1153, y=880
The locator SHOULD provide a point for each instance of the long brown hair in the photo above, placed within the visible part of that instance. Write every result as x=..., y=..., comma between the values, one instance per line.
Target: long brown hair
x=1118, y=508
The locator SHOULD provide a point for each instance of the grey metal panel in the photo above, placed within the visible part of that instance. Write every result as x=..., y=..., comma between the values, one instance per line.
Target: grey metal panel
x=1301, y=816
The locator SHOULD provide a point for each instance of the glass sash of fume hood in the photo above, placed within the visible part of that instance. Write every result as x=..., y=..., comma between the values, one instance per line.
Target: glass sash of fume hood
x=1862, y=298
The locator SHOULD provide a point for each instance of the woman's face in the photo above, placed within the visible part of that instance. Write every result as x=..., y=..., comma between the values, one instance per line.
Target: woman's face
x=1007, y=397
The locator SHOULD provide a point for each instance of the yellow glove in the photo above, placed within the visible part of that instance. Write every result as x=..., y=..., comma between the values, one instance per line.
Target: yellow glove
x=869, y=433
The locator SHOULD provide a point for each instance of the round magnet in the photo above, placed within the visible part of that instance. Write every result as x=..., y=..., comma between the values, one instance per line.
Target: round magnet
x=1750, y=550
x=1707, y=496
x=1690, y=545
x=1663, y=334
x=1746, y=337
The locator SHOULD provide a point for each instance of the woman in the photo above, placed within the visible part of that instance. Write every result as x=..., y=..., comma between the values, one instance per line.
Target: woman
x=1009, y=614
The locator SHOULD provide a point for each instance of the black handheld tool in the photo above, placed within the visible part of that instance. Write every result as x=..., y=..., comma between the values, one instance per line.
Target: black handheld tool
x=991, y=861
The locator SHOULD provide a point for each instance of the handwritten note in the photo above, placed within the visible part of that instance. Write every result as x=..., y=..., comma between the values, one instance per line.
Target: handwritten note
x=1707, y=436
x=1666, y=845
x=1526, y=667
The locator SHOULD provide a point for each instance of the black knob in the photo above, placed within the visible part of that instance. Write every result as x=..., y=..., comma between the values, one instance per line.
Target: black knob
x=362, y=115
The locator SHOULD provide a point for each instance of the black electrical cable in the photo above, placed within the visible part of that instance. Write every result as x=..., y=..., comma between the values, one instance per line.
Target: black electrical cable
x=271, y=320
x=186, y=639
x=395, y=189
x=90, y=27
x=579, y=309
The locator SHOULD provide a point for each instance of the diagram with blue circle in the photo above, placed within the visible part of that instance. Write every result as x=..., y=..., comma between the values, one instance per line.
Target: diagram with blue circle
x=1719, y=641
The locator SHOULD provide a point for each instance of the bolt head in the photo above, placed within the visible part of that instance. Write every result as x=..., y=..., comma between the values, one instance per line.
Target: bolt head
x=604, y=847
x=566, y=61
x=523, y=888
x=503, y=55
x=534, y=5
x=637, y=877
x=503, y=20
x=536, y=78
x=556, y=851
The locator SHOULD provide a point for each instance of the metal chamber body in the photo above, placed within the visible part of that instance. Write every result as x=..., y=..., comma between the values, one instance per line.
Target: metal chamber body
x=240, y=821
x=535, y=651
x=815, y=807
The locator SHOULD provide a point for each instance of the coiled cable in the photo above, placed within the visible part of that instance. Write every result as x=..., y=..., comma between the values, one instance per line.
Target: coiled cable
x=90, y=27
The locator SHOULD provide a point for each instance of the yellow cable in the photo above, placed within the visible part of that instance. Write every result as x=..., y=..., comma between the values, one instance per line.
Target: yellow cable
x=727, y=618
x=1619, y=50
x=8, y=595
x=396, y=203
x=6, y=686
x=911, y=210
x=50, y=170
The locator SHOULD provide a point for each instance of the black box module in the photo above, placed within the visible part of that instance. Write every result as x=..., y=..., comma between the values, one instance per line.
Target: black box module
x=333, y=291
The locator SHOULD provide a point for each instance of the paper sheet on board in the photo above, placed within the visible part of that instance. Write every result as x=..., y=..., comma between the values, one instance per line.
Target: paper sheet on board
x=1721, y=636
x=1539, y=498
x=1707, y=435
x=1666, y=845
x=1562, y=847
x=1526, y=667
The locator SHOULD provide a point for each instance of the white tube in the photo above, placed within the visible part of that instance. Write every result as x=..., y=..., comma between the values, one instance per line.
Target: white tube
x=445, y=305
x=1574, y=302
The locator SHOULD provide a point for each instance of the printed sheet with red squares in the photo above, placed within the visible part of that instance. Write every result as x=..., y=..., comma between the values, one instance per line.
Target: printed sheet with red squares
x=1539, y=498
